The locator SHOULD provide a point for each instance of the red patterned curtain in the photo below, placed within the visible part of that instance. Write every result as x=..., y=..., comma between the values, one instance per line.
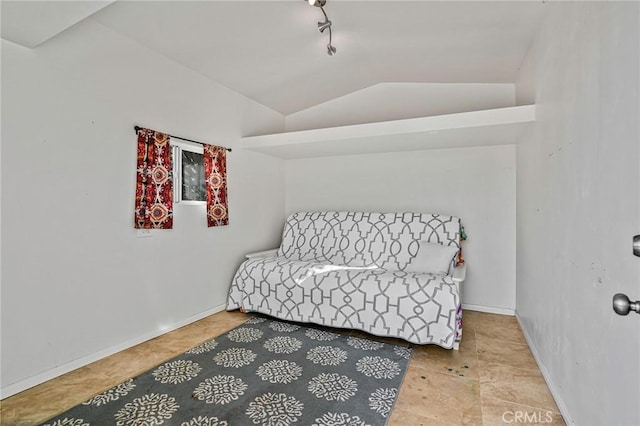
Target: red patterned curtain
x=154, y=183
x=215, y=174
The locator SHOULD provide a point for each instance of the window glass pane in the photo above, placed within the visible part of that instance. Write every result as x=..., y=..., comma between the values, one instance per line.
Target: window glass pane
x=193, y=177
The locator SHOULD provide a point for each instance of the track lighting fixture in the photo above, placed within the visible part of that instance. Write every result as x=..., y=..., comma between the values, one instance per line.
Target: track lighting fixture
x=324, y=25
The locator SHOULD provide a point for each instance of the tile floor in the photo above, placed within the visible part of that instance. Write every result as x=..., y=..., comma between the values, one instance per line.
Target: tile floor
x=492, y=380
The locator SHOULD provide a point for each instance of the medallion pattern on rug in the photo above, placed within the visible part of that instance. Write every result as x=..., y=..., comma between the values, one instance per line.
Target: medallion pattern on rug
x=264, y=372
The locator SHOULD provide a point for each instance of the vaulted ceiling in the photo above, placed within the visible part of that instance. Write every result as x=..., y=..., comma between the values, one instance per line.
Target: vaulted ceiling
x=271, y=51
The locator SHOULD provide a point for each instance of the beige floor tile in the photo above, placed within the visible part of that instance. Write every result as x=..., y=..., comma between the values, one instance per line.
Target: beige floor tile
x=128, y=363
x=506, y=352
x=469, y=343
x=409, y=418
x=495, y=318
x=53, y=397
x=440, y=397
x=460, y=363
x=469, y=318
x=468, y=335
x=517, y=385
x=498, y=412
x=468, y=329
x=498, y=328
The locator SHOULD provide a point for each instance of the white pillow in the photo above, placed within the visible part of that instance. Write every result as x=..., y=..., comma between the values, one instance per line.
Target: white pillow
x=432, y=258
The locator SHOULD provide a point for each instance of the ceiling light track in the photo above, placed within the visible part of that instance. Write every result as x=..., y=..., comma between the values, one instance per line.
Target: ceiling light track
x=326, y=25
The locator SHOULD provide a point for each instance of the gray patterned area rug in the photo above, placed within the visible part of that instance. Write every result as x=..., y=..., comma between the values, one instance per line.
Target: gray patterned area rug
x=264, y=372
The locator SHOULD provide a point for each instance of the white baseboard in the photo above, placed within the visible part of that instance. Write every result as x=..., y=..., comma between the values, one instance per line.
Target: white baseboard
x=39, y=378
x=547, y=377
x=489, y=309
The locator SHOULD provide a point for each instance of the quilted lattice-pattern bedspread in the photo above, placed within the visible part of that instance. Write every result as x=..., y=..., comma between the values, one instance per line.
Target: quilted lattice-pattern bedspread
x=346, y=269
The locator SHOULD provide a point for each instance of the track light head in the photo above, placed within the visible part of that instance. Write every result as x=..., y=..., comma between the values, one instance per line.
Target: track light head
x=331, y=50
x=317, y=3
x=324, y=25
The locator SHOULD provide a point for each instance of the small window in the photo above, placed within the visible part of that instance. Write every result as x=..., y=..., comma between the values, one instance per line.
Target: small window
x=188, y=172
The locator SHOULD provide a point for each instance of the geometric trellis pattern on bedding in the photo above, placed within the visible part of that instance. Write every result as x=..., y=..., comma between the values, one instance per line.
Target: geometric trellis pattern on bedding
x=346, y=270
x=387, y=240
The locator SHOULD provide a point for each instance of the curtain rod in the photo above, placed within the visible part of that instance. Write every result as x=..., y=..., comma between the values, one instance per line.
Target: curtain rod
x=184, y=139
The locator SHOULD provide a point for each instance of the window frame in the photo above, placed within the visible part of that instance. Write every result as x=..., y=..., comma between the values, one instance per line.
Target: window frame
x=176, y=149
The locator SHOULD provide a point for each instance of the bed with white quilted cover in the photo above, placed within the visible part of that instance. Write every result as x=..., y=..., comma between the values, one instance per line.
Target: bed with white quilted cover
x=347, y=270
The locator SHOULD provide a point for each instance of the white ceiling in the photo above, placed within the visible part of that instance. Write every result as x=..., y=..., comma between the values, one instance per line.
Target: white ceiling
x=272, y=52
x=30, y=23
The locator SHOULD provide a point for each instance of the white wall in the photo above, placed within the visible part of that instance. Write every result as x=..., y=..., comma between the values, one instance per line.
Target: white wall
x=76, y=282
x=578, y=205
x=395, y=101
x=475, y=184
